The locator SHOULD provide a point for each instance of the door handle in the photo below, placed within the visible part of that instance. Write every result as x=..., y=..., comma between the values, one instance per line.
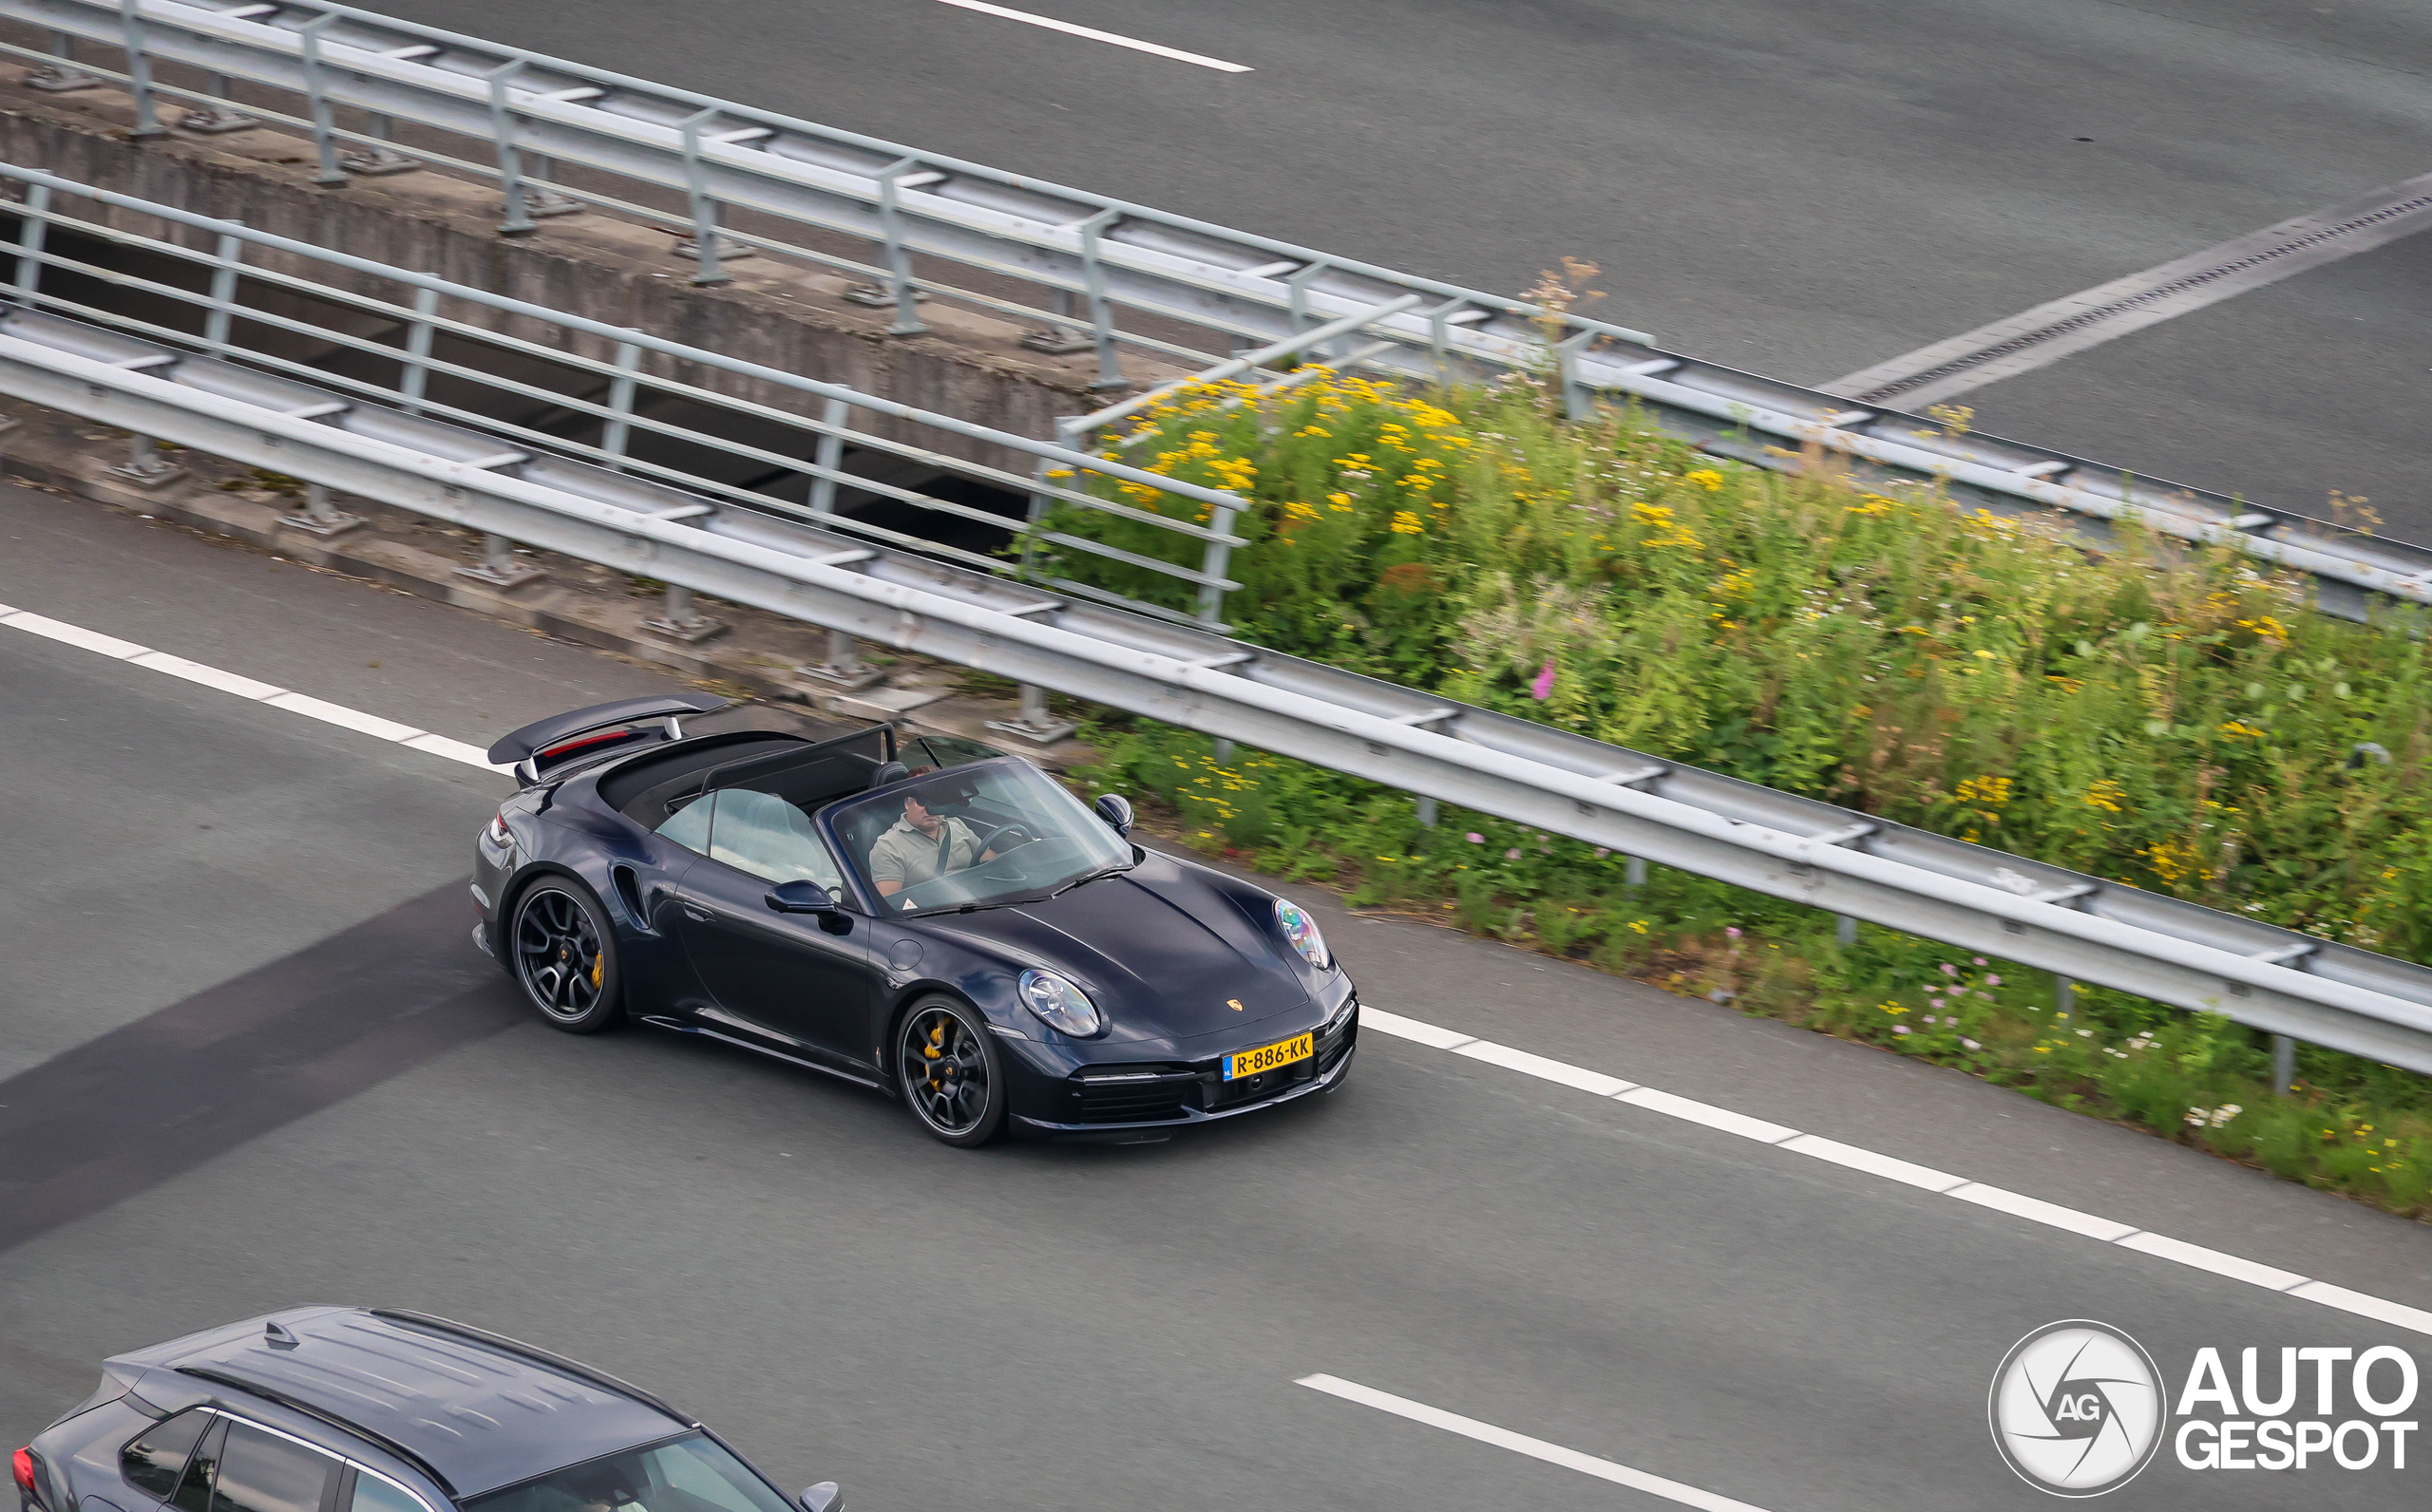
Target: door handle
x=696, y=915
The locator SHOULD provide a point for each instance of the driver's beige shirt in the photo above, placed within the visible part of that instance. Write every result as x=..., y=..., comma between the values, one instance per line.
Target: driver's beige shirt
x=904, y=856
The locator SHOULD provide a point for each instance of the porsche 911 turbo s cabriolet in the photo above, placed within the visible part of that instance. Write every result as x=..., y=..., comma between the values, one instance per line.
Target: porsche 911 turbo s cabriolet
x=925, y=915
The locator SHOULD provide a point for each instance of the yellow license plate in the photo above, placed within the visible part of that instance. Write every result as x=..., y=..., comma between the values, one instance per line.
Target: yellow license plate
x=1267, y=1057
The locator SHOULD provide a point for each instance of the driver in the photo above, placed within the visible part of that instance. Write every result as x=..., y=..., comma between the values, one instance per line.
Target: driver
x=923, y=846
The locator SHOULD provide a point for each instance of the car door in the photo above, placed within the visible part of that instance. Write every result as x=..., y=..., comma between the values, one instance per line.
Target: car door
x=799, y=982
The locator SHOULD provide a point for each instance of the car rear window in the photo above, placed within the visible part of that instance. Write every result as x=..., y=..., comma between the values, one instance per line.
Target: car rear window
x=688, y=1474
x=153, y=1463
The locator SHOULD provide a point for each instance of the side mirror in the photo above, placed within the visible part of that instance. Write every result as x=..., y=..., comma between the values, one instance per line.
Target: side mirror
x=1116, y=810
x=824, y=1497
x=801, y=898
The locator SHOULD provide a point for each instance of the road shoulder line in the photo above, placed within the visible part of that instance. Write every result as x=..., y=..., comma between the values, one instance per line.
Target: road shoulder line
x=1891, y=1168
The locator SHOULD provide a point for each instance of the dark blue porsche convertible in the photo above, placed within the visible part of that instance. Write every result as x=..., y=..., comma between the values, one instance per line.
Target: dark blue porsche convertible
x=922, y=914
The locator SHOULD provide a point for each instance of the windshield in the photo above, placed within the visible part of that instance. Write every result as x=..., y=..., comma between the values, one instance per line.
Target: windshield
x=689, y=1474
x=997, y=833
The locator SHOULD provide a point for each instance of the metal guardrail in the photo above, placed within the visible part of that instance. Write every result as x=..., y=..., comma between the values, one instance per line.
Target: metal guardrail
x=2080, y=927
x=242, y=309
x=1067, y=260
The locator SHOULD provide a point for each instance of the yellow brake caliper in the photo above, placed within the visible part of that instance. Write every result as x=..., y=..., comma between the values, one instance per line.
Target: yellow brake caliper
x=934, y=1048
x=599, y=965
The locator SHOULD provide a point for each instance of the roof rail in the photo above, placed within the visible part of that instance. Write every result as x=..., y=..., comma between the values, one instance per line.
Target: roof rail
x=271, y=1393
x=534, y=1352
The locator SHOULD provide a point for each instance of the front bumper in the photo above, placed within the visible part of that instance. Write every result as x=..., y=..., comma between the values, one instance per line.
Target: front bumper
x=1100, y=1101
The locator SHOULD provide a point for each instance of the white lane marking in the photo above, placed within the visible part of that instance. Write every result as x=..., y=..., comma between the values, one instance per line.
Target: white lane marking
x=74, y=634
x=2034, y=1209
x=1411, y=1028
x=1469, y=1427
x=1724, y=1119
x=228, y=682
x=160, y=661
x=1527, y=1064
x=2358, y=1303
x=1873, y=1164
x=343, y=717
x=2253, y=1272
x=1095, y=35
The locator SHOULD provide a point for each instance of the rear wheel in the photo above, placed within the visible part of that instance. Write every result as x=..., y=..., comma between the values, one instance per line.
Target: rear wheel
x=947, y=1068
x=562, y=953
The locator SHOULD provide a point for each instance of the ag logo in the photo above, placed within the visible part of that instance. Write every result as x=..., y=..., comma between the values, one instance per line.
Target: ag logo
x=2077, y=1409
x=1235, y=1004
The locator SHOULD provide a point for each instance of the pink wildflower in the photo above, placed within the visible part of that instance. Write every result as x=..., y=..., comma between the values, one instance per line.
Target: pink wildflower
x=1542, y=688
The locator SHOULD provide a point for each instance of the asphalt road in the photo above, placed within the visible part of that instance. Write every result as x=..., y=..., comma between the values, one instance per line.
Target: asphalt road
x=258, y=1063
x=1794, y=188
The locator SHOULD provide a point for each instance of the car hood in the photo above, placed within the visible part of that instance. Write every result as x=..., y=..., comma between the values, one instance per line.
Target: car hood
x=1161, y=950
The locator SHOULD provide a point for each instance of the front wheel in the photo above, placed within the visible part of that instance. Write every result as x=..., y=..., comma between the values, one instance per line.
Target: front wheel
x=563, y=956
x=947, y=1068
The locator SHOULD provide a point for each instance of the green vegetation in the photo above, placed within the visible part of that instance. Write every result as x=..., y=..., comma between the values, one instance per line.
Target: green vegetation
x=2177, y=722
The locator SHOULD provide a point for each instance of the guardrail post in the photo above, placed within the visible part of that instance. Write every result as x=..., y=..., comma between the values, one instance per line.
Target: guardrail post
x=218, y=117
x=1575, y=403
x=31, y=228
x=145, y=467
x=319, y=517
x=679, y=623
x=519, y=220
x=1101, y=314
x=1224, y=751
x=1213, y=561
x=417, y=371
x=226, y=253
x=706, y=248
x=1845, y=928
x=1634, y=874
x=899, y=258
x=2284, y=1065
x=1055, y=338
x=325, y=142
x=828, y=456
x=621, y=405
x=1427, y=812
x=499, y=567
x=843, y=666
x=2064, y=994
x=1036, y=724
x=138, y=73
x=61, y=75
x=381, y=158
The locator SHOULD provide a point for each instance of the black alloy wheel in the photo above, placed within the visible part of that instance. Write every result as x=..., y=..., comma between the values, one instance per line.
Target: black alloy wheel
x=565, y=957
x=947, y=1068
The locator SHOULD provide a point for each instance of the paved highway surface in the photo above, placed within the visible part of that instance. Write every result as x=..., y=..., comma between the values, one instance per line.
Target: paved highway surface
x=1799, y=189
x=252, y=1060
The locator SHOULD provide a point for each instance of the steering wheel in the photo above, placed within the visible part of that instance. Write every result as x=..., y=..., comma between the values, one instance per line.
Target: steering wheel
x=1009, y=837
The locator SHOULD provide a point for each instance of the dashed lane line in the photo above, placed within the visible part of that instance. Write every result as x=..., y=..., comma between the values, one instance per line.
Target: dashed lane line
x=1469, y=1427
x=1093, y=34
x=1418, y=1031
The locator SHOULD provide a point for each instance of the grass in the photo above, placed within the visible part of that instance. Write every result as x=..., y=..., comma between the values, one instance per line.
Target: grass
x=2172, y=720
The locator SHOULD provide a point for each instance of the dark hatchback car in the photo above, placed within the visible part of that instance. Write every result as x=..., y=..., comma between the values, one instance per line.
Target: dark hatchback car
x=930, y=917
x=348, y=1409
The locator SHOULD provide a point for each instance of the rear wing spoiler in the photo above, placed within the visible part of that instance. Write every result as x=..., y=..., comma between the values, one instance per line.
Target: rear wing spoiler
x=560, y=735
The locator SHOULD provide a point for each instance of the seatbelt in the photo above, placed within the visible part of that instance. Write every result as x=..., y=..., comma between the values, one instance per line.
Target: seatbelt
x=946, y=846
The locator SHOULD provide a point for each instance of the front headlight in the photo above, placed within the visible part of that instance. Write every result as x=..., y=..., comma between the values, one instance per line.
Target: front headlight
x=1060, y=1004
x=1303, y=931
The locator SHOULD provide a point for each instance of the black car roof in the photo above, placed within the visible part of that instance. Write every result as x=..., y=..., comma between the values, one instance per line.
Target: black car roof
x=480, y=1411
